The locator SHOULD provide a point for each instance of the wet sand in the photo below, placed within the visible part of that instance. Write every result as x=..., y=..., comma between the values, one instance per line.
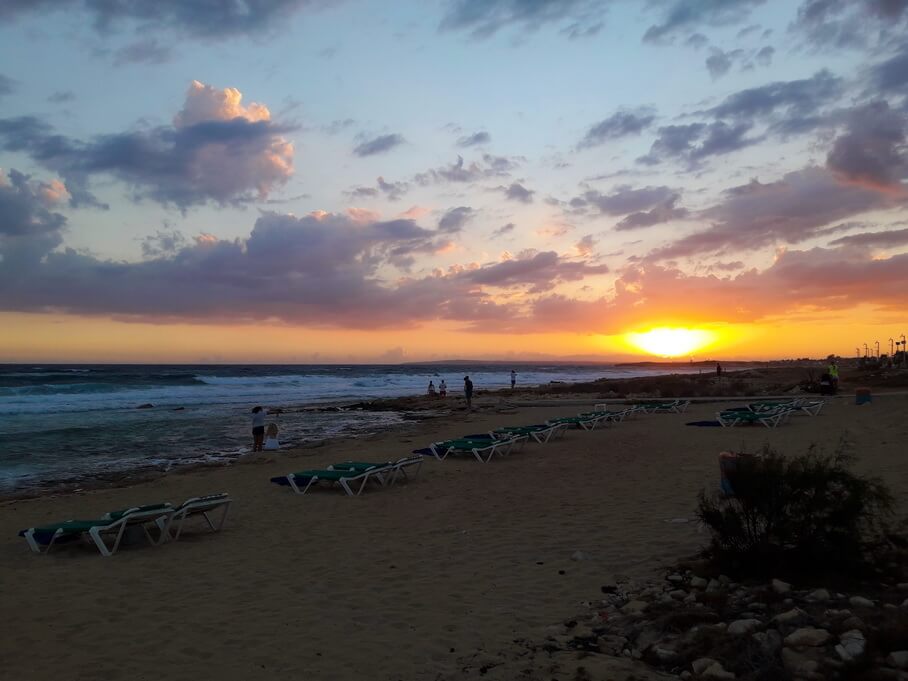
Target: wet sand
x=400, y=583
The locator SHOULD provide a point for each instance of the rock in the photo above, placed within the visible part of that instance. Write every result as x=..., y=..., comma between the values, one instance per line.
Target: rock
x=634, y=607
x=905, y=603
x=789, y=616
x=716, y=672
x=650, y=636
x=698, y=583
x=757, y=606
x=902, y=586
x=860, y=602
x=741, y=627
x=796, y=663
x=724, y=580
x=685, y=675
x=713, y=585
x=678, y=594
x=664, y=654
x=851, y=645
x=807, y=636
x=769, y=641
x=612, y=644
x=674, y=579
x=700, y=665
x=780, y=587
x=818, y=595
x=832, y=612
x=147, y=405
x=853, y=623
x=898, y=659
x=579, y=555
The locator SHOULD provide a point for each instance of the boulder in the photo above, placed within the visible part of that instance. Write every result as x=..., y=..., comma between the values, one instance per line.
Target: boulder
x=634, y=607
x=698, y=583
x=701, y=664
x=769, y=641
x=780, y=587
x=851, y=645
x=807, y=636
x=818, y=595
x=898, y=659
x=789, y=616
x=716, y=672
x=860, y=602
x=741, y=627
x=798, y=664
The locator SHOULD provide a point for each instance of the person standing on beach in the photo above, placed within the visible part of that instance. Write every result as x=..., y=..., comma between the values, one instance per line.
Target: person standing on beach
x=718, y=370
x=513, y=379
x=468, y=391
x=834, y=374
x=430, y=391
x=258, y=428
x=442, y=388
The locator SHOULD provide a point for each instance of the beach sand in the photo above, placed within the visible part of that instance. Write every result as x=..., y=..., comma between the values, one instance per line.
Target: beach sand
x=410, y=582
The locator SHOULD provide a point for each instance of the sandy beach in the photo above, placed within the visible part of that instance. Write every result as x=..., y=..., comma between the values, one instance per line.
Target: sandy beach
x=409, y=582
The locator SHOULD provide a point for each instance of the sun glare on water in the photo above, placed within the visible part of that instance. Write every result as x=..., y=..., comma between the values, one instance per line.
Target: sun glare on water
x=671, y=342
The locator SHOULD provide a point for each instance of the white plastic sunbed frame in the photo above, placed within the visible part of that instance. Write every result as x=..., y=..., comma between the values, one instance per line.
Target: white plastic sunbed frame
x=194, y=506
x=482, y=454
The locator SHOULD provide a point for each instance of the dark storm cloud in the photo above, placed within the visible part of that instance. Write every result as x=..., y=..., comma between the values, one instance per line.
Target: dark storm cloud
x=872, y=151
x=198, y=17
x=163, y=243
x=842, y=24
x=29, y=225
x=892, y=74
x=483, y=18
x=620, y=124
x=540, y=270
x=517, y=192
x=7, y=85
x=226, y=161
x=688, y=15
x=475, y=139
x=378, y=145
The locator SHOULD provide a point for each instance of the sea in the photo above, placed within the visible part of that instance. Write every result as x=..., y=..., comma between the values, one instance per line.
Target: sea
x=76, y=423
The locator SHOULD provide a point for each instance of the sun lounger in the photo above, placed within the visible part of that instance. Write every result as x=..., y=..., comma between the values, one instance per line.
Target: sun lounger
x=42, y=539
x=664, y=407
x=172, y=526
x=348, y=479
x=740, y=417
x=585, y=422
x=389, y=471
x=540, y=432
x=482, y=449
x=623, y=413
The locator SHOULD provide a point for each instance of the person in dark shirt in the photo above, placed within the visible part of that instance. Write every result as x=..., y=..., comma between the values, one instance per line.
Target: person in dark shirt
x=468, y=391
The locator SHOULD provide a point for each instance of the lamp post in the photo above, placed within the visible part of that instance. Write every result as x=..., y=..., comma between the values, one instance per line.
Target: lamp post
x=891, y=347
x=866, y=350
x=877, y=349
x=857, y=353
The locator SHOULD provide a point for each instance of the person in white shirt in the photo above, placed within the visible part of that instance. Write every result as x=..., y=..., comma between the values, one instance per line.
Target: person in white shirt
x=271, y=442
x=442, y=388
x=258, y=428
x=513, y=379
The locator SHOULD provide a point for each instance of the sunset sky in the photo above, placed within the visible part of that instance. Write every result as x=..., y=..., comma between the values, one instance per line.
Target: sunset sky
x=349, y=180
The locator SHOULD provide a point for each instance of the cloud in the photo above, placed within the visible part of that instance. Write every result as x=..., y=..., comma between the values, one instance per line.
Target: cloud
x=337, y=126
x=29, y=225
x=586, y=245
x=684, y=15
x=719, y=63
x=695, y=142
x=788, y=211
x=216, y=150
x=517, y=192
x=873, y=151
x=163, y=243
x=887, y=239
x=148, y=51
x=765, y=55
x=454, y=219
x=484, y=18
x=7, y=85
x=620, y=124
x=623, y=200
x=540, y=270
x=392, y=190
x=378, y=145
x=477, y=138
x=836, y=25
x=195, y=17
x=891, y=74
x=504, y=229
x=666, y=211
x=492, y=166
x=61, y=97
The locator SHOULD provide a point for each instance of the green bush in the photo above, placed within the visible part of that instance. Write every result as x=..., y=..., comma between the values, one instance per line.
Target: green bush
x=795, y=516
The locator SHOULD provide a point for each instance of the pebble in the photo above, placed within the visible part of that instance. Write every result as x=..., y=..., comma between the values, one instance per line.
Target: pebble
x=717, y=673
x=789, y=616
x=860, y=602
x=698, y=583
x=818, y=595
x=898, y=659
x=675, y=579
x=579, y=555
x=905, y=603
x=678, y=594
x=713, y=585
x=741, y=627
x=853, y=623
x=796, y=663
x=780, y=587
x=807, y=636
x=851, y=645
x=664, y=654
x=902, y=586
x=769, y=641
x=700, y=665
x=634, y=607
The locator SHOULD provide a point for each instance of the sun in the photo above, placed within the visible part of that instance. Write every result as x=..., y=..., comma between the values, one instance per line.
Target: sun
x=670, y=341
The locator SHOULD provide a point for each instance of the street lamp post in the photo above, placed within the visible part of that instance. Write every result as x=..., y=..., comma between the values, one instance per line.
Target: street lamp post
x=866, y=350
x=891, y=347
x=877, y=349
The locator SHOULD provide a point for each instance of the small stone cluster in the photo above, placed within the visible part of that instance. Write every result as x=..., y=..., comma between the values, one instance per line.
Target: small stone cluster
x=718, y=630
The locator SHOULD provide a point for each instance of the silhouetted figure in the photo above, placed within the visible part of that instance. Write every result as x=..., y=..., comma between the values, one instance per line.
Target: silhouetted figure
x=718, y=370
x=468, y=392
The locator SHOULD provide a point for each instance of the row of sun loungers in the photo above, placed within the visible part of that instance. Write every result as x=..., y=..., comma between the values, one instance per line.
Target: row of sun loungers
x=770, y=414
x=159, y=523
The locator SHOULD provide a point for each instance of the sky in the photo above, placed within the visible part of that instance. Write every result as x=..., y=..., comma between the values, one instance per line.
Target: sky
x=349, y=180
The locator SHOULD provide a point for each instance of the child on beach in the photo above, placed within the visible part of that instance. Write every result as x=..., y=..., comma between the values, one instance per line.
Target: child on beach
x=271, y=443
x=431, y=390
x=258, y=428
x=442, y=388
x=468, y=392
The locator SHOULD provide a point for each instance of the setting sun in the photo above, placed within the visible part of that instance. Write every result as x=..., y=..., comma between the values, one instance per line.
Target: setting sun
x=671, y=342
